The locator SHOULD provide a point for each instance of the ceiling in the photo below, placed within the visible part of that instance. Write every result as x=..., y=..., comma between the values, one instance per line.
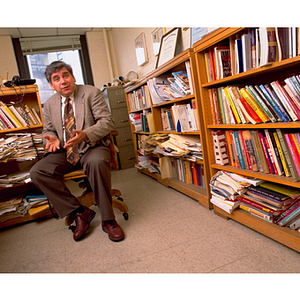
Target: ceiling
x=22, y=32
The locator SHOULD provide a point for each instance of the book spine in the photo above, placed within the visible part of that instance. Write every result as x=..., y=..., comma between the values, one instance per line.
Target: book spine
x=266, y=153
x=284, y=101
x=254, y=106
x=286, y=211
x=294, y=213
x=277, y=102
x=255, y=212
x=284, y=163
x=232, y=105
x=260, y=151
x=259, y=206
x=260, y=102
x=239, y=150
x=263, y=89
x=287, y=155
x=289, y=143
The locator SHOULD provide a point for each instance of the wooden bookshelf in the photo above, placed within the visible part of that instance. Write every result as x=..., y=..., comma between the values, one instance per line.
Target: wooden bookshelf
x=19, y=96
x=265, y=74
x=198, y=193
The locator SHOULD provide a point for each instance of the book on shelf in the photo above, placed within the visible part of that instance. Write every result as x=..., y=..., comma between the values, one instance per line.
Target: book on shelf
x=287, y=154
x=220, y=150
x=295, y=223
x=293, y=213
x=256, y=212
x=293, y=152
x=255, y=202
x=184, y=117
x=167, y=119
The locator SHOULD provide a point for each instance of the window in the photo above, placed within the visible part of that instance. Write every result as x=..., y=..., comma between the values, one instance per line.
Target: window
x=37, y=64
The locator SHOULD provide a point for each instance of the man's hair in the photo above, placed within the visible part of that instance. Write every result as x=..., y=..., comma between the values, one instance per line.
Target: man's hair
x=55, y=67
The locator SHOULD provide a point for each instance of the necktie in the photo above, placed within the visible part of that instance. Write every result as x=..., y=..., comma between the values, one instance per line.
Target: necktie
x=69, y=119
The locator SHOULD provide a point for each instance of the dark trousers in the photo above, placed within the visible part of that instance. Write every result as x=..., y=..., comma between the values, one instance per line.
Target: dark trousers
x=47, y=175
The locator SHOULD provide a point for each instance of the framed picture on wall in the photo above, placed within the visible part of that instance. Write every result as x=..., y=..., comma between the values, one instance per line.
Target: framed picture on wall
x=141, y=50
x=156, y=38
x=167, y=48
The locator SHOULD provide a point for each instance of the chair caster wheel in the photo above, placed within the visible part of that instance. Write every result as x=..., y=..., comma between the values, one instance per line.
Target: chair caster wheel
x=126, y=216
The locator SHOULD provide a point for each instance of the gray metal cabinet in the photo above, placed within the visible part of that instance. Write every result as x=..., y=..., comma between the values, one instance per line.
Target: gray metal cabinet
x=116, y=101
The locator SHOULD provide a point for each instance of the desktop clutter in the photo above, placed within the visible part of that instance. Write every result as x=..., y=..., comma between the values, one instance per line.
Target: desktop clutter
x=130, y=78
x=16, y=81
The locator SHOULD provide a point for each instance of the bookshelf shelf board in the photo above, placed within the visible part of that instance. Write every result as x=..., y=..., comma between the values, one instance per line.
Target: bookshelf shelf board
x=283, y=235
x=196, y=192
x=178, y=100
x=28, y=218
x=257, y=72
x=139, y=110
x=180, y=133
x=256, y=126
x=268, y=177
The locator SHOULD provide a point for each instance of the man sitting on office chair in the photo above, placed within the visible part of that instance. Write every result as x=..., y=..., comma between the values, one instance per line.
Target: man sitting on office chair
x=69, y=149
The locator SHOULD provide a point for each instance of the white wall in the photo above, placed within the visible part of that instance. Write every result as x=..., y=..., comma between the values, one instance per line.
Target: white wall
x=7, y=58
x=122, y=52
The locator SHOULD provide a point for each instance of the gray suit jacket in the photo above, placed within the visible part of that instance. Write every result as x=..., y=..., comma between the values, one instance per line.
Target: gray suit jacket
x=92, y=116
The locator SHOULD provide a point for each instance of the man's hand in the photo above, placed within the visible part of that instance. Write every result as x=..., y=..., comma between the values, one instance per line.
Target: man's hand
x=78, y=138
x=52, y=143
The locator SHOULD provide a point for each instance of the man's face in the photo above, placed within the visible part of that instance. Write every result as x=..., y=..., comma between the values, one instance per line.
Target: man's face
x=63, y=82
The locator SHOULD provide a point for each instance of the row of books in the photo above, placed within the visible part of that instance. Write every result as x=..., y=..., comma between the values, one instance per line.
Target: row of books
x=274, y=102
x=180, y=117
x=271, y=202
x=269, y=151
x=184, y=170
x=142, y=121
x=253, y=48
x=139, y=99
x=21, y=146
x=14, y=116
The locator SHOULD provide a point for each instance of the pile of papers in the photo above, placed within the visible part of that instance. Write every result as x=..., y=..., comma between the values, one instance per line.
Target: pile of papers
x=226, y=186
x=13, y=208
x=20, y=147
x=14, y=178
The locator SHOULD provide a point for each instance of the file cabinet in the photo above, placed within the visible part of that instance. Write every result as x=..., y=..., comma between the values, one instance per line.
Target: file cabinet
x=116, y=101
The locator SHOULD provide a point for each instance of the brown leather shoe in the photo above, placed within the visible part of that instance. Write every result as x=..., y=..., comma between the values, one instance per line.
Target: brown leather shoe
x=83, y=221
x=113, y=229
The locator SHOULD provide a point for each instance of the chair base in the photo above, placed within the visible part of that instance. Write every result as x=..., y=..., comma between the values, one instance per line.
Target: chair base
x=87, y=199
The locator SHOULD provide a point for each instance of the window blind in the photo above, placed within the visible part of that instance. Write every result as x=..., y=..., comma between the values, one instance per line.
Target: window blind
x=38, y=45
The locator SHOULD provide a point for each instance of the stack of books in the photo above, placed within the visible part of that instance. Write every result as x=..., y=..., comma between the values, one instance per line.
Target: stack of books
x=270, y=151
x=227, y=186
x=273, y=203
x=271, y=102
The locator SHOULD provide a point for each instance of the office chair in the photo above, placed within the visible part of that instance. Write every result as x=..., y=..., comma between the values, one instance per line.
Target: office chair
x=87, y=197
